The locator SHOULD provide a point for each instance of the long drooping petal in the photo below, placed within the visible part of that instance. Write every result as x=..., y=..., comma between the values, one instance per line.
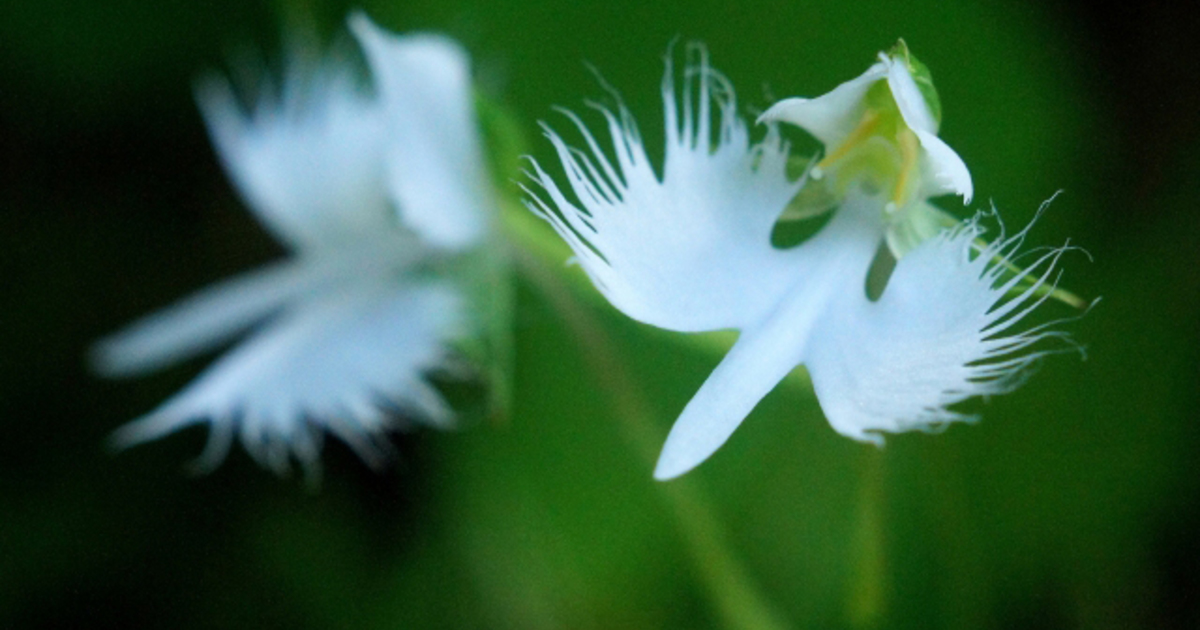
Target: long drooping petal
x=435, y=171
x=691, y=250
x=939, y=334
x=215, y=314
x=344, y=361
x=201, y=322
x=833, y=263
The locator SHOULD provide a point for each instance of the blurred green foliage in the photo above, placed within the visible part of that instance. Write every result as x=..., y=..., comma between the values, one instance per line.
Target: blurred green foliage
x=1073, y=504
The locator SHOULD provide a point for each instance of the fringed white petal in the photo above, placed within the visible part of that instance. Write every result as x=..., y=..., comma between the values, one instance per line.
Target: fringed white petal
x=688, y=251
x=308, y=161
x=435, y=169
x=832, y=116
x=343, y=361
x=833, y=262
x=941, y=332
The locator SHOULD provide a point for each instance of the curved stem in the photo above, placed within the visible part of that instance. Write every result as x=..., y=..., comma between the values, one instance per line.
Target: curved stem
x=737, y=600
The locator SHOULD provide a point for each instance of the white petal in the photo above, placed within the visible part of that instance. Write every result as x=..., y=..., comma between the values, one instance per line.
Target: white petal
x=308, y=161
x=911, y=103
x=757, y=362
x=337, y=362
x=833, y=262
x=935, y=337
x=202, y=321
x=213, y=315
x=690, y=251
x=832, y=116
x=434, y=159
x=942, y=171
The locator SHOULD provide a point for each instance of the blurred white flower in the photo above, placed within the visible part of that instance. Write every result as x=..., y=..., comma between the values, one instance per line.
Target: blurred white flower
x=691, y=250
x=374, y=193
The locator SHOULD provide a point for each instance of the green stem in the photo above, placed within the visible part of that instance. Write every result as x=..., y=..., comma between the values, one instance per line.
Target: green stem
x=737, y=600
x=867, y=598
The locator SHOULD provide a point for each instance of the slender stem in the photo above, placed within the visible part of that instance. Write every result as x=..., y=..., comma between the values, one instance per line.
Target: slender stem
x=738, y=601
x=866, y=599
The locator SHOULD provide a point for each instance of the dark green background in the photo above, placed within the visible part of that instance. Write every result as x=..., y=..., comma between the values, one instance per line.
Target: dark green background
x=1072, y=505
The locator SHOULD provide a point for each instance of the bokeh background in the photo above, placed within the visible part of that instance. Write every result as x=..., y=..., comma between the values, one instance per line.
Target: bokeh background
x=1074, y=504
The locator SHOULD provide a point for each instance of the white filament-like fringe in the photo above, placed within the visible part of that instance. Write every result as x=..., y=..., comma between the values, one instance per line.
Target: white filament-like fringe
x=657, y=245
x=353, y=365
x=1004, y=358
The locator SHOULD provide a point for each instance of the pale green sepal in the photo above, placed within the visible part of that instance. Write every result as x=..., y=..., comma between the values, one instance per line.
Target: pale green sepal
x=486, y=273
x=916, y=223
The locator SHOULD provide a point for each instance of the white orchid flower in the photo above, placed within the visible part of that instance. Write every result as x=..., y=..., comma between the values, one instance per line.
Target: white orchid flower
x=374, y=194
x=690, y=250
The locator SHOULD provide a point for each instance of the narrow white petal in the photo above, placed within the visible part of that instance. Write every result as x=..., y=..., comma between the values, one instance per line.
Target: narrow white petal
x=909, y=99
x=942, y=170
x=832, y=263
x=935, y=337
x=308, y=161
x=202, y=321
x=435, y=167
x=832, y=116
x=757, y=362
x=336, y=363
x=213, y=315
x=690, y=250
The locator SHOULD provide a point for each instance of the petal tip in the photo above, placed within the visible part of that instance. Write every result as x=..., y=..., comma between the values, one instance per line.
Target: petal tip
x=360, y=23
x=777, y=112
x=671, y=465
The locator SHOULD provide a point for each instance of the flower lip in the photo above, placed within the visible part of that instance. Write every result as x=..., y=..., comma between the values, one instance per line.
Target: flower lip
x=943, y=330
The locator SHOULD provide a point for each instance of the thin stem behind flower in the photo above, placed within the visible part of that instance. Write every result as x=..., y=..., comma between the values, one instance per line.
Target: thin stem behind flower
x=737, y=599
x=866, y=600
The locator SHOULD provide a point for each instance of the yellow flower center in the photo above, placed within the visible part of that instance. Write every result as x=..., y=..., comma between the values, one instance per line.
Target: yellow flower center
x=881, y=152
